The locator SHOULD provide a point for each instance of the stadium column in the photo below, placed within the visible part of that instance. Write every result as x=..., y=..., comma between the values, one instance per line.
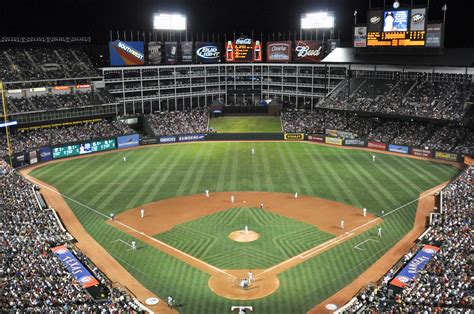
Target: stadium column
x=5, y=117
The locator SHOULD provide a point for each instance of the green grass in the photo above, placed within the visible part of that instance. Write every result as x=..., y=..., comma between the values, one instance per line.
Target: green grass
x=280, y=238
x=246, y=124
x=106, y=184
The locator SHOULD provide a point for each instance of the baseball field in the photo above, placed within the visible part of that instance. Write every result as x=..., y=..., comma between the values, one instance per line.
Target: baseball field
x=251, y=124
x=185, y=243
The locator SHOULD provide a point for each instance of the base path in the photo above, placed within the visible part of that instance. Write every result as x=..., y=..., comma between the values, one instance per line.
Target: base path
x=163, y=215
x=390, y=258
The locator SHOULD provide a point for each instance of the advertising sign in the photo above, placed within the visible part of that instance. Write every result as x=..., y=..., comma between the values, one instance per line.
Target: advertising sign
x=418, y=19
x=171, y=52
x=374, y=21
x=83, y=148
x=191, y=137
x=207, y=52
x=421, y=152
x=333, y=140
x=416, y=264
x=355, y=142
x=123, y=53
x=343, y=134
x=433, y=35
x=279, y=51
x=33, y=157
x=187, y=52
x=44, y=154
x=395, y=21
x=309, y=51
x=167, y=139
x=446, y=156
x=154, y=52
x=316, y=138
x=377, y=145
x=239, y=51
x=398, y=149
x=128, y=141
x=75, y=267
x=294, y=136
x=360, y=36
x=332, y=44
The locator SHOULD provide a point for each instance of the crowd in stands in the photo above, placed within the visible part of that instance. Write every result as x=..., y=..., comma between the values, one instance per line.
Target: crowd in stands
x=23, y=141
x=449, y=138
x=33, y=278
x=420, y=97
x=58, y=101
x=41, y=63
x=178, y=122
x=445, y=283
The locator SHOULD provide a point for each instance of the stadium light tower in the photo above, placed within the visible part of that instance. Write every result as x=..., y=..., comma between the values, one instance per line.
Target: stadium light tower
x=317, y=20
x=169, y=21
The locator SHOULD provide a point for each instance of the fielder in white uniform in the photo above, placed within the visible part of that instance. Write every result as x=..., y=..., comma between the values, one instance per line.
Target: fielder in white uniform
x=134, y=246
x=342, y=223
x=246, y=229
x=142, y=213
x=250, y=277
x=365, y=212
x=379, y=231
x=207, y=193
x=296, y=194
x=232, y=199
x=253, y=151
x=373, y=158
x=124, y=159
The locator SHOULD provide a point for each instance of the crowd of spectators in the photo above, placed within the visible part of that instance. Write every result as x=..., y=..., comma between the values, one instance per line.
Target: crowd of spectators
x=41, y=63
x=178, y=122
x=419, y=98
x=23, y=141
x=423, y=134
x=444, y=284
x=33, y=278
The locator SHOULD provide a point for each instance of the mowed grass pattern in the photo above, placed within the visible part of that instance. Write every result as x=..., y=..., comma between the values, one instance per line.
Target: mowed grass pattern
x=106, y=184
x=280, y=238
x=251, y=124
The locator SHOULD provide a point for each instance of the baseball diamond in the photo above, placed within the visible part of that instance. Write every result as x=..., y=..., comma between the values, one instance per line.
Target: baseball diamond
x=302, y=256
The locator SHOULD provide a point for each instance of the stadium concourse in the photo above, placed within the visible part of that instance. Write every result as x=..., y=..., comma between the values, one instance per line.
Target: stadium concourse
x=59, y=98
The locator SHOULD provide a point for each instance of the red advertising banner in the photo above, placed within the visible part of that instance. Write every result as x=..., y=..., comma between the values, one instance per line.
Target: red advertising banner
x=421, y=152
x=316, y=138
x=309, y=51
x=61, y=87
x=243, y=50
x=377, y=145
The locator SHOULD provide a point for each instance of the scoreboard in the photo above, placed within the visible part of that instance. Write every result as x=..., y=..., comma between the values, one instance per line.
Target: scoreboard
x=396, y=39
x=83, y=148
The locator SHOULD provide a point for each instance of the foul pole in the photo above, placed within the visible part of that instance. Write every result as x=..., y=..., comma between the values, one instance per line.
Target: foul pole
x=5, y=118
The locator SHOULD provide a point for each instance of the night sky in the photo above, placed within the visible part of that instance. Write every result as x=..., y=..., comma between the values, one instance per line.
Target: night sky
x=95, y=18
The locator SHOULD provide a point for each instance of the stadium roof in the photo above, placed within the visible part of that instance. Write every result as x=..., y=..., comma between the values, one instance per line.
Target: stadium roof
x=455, y=57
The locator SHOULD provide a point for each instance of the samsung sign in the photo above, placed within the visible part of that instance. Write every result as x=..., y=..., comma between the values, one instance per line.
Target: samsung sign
x=191, y=137
x=207, y=52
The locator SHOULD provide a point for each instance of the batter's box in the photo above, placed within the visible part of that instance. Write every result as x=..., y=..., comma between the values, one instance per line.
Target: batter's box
x=361, y=249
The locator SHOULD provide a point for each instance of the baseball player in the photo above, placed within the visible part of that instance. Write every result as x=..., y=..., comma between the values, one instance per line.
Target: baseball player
x=242, y=284
x=134, y=246
x=232, y=199
x=207, y=193
x=124, y=159
x=296, y=195
x=379, y=231
x=169, y=301
x=373, y=158
x=364, y=211
x=342, y=224
x=253, y=151
x=246, y=229
x=112, y=216
x=261, y=205
x=250, y=277
x=142, y=213
x=382, y=214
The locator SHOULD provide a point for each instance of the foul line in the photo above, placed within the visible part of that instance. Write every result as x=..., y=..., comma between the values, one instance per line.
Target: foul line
x=139, y=232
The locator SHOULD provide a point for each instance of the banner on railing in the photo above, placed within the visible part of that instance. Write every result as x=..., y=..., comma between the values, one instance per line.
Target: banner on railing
x=75, y=267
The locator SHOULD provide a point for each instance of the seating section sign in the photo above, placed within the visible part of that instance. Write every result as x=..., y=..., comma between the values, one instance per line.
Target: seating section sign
x=75, y=267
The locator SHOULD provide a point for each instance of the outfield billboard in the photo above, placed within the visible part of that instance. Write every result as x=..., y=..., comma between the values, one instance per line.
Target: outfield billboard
x=187, y=52
x=308, y=51
x=434, y=35
x=191, y=137
x=377, y=145
x=337, y=133
x=374, y=20
x=333, y=140
x=128, y=141
x=279, y=51
x=316, y=138
x=154, y=52
x=33, y=157
x=45, y=154
x=167, y=139
x=171, y=52
x=398, y=149
x=360, y=36
x=75, y=267
x=208, y=52
x=355, y=142
x=294, y=136
x=124, y=53
x=83, y=148
x=446, y=156
x=422, y=152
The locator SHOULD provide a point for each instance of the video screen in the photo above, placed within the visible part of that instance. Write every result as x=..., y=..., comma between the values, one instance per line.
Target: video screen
x=395, y=21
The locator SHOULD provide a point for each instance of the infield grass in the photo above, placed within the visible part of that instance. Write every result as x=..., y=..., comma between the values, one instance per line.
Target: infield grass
x=107, y=184
x=252, y=124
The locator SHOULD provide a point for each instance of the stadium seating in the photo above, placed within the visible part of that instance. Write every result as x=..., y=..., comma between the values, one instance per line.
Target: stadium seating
x=178, y=122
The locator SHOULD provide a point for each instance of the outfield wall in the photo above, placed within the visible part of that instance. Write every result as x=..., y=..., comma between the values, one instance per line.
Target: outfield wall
x=44, y=154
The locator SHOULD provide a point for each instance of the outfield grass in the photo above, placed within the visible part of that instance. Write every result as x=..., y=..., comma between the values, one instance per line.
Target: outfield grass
x=107, y=184
x=246, y=124
x=207, y=238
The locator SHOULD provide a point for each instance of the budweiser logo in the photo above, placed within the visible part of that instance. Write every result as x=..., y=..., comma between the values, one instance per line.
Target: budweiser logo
x=305, y=51
x=208, y=52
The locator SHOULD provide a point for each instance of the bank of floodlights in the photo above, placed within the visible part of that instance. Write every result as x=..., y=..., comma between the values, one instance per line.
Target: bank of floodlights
x=316, y=20
x=169, y=21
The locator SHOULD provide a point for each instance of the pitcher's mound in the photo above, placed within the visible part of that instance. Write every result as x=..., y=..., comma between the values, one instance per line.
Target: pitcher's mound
x=240, y=236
